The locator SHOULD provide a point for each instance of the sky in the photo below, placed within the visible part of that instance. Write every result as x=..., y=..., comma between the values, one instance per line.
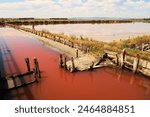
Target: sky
x=75, y=8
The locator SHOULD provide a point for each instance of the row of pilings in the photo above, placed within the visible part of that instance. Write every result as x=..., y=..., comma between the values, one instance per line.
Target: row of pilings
x=56, y=37
x=133, y=63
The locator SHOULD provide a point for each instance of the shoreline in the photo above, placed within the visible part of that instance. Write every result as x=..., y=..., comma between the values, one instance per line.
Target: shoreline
x=70, y=20
x=64, y=49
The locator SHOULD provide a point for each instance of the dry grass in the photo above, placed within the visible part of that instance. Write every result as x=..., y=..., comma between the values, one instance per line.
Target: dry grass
x=97, y=47
x=118, y=46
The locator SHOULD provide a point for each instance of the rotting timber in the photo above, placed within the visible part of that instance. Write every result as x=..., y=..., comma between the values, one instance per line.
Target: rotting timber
x=82, y=60
x=14, y=81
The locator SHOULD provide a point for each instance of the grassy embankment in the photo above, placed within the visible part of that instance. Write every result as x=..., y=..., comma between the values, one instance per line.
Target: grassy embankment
x=83, y=43
x=129, y=44
x=97, y=47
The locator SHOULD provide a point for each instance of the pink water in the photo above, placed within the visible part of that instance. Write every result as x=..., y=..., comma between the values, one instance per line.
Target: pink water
x=101, y=32
x=56, y=83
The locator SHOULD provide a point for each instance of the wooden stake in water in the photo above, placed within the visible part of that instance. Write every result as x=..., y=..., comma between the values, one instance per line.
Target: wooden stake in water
x=60, y=61
x=65, y=65
x=122, y=59
x=73, y=66
x=36, y=67
x=117, y=59
x=91, y=67
x=28, y=64
x=35, y=75
x=136, y=63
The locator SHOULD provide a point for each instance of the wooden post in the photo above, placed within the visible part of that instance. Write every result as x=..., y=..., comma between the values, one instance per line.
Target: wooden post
x=72, y=44
x=87, y=50
x=142, y=46
x=122, y=59
x=59, y=39
x=65, y=65
x=64, y=42
x=39, y=73
x=41, y=34
x=117, y=59
x=82, y=47
x=27, y=64
x=77, y=53
x=73, y=66
x=54, y=38
x=91, y=67
x=13, y=79
x=33, y=27
x=105, y=56
x=60, y=61
x=36, y=67
x=35, y=75
x=136, y=63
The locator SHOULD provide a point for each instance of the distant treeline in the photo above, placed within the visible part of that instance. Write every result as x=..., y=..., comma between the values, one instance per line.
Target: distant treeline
x=39, y=21
x=58, y=18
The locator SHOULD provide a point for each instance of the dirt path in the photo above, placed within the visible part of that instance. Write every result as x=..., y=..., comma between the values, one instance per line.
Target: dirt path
x=83, y=62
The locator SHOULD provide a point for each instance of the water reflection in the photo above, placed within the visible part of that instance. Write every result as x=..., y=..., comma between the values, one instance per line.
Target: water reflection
x=135, y=80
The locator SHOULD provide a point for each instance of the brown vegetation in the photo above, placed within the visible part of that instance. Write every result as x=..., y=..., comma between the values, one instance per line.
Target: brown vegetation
x=130, y=44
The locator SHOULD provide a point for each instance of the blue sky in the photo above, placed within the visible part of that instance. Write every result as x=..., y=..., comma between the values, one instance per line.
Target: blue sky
x=75, y=8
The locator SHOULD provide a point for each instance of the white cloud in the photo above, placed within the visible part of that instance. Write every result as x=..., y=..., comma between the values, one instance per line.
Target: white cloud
x=137, y=4
x=75, y=8
x=70, y=3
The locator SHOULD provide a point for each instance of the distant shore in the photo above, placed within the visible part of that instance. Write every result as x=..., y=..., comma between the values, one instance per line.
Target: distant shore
x=36, y=21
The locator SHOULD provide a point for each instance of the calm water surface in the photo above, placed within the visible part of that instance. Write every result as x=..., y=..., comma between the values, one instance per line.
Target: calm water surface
x=102, y=32
x=104, y=83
